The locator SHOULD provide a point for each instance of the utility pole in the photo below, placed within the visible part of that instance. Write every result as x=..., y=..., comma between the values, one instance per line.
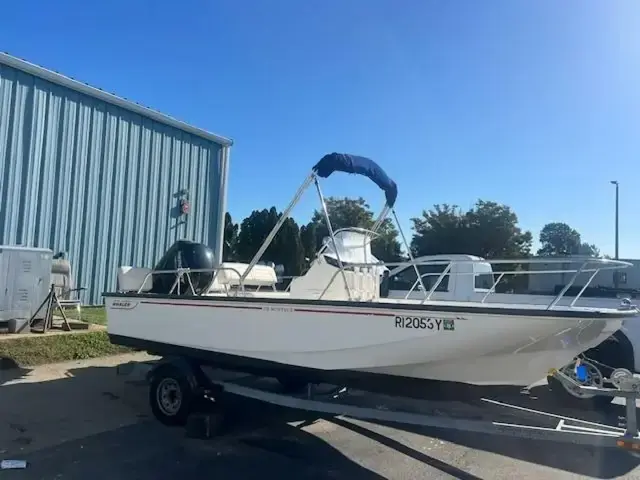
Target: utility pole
x=615, y=272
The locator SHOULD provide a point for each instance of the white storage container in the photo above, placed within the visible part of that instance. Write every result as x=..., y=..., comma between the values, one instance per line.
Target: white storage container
x=25, y=280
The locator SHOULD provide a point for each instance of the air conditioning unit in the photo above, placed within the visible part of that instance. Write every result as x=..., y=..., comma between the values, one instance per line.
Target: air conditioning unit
x=25, y=280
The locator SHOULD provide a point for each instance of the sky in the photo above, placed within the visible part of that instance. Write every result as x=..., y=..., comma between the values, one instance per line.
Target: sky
x=534, y=104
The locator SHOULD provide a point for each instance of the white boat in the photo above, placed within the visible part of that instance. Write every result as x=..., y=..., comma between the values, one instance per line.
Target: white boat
x=338, y=323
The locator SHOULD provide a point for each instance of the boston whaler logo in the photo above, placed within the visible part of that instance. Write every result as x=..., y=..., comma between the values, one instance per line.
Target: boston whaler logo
x=124, y=304
x=427, y=323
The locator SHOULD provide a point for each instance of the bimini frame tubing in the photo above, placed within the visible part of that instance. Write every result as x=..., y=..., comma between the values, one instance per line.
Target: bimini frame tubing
x=328, y=164
x=333, y=237
x=274, y=231
x=408, y=247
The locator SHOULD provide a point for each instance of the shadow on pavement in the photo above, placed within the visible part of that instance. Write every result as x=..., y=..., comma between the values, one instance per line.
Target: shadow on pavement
x=147, y=451
x=249, y=415
x=94, y=424
x=10, y=370
x=578, y=459
x=585, y=461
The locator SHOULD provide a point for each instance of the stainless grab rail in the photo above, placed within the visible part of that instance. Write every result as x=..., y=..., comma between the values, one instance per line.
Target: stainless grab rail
x=585, y=267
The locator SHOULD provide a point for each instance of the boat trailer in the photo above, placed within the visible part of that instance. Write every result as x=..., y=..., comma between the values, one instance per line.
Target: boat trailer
x=189, y=382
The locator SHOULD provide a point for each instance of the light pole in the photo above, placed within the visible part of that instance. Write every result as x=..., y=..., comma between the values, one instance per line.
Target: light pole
x=615, y=276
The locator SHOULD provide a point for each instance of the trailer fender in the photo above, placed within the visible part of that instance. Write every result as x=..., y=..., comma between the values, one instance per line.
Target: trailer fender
x=189, y=371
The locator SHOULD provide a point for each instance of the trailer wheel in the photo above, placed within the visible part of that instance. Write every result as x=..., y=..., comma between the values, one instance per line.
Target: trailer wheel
x=171, y=396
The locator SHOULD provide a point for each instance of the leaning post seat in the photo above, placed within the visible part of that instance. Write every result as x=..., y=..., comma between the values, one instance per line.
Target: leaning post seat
x=130, y=279
x=229, y=273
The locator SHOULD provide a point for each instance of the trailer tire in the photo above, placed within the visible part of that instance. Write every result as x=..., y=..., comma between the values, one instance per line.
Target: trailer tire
x=171, y=395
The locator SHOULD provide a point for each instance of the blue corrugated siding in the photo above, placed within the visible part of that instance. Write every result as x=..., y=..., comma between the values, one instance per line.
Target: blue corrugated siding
x=101, y=183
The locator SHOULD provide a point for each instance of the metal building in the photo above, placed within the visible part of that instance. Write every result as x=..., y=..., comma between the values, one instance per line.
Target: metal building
x=104, y=180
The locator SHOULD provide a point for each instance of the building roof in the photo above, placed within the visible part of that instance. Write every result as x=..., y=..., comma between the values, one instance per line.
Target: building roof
x=72, y=84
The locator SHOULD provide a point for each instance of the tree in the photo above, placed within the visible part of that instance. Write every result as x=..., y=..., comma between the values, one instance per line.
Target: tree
x=589, y=249
x=488, y=230
x=308, y=237
x=559, y=239
x=349, y=212
x=285, y=249
x=230, y=238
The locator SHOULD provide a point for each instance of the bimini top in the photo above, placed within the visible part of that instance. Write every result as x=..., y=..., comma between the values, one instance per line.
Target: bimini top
x=342, y=162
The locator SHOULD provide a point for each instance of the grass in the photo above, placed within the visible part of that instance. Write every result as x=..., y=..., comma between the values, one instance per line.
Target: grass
x=61, y=347
x=42, y=349
x=94, y=315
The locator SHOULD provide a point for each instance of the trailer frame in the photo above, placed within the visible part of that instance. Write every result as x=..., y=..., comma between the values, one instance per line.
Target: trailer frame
x=330, y=401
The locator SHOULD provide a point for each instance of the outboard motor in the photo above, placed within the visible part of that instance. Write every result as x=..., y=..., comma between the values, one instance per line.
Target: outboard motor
x=184, y=254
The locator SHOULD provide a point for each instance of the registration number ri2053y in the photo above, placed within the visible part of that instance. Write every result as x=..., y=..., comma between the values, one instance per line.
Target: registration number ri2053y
x=425, y=323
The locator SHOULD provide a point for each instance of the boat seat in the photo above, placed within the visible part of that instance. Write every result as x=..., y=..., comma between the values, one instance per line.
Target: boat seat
x=230, y=272
x=130, y=279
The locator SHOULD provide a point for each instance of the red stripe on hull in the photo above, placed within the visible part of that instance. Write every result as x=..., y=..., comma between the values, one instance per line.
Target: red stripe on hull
x=344, y=312
x=173, y=304
x=249, y=307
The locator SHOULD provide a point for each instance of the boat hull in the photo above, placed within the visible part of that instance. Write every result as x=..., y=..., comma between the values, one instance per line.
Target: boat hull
x=482, y=347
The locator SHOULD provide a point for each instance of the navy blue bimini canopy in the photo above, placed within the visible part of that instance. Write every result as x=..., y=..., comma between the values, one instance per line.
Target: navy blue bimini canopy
x=342, y=162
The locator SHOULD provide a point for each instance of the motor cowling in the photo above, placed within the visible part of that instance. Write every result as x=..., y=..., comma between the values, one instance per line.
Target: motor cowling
x=184, y=254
